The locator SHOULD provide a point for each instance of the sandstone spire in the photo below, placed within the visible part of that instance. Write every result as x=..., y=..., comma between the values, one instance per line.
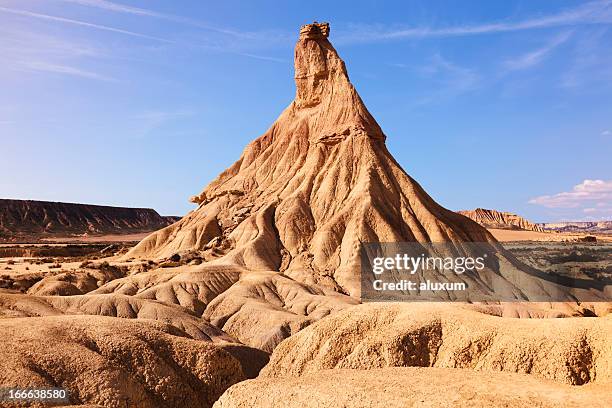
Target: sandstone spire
x=321, y=82
x=307, y=193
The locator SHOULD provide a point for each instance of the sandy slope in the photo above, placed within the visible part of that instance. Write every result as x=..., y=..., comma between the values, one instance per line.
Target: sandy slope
x=115, y=362
x=572, y=350
x=410, y=387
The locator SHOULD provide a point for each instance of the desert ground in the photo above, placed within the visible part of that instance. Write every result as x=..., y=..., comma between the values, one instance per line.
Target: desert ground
x=253, y=299
x=118, y=332
x=504, y=235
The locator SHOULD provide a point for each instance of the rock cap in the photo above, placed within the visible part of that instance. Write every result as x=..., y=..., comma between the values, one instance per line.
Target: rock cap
x=315, y=30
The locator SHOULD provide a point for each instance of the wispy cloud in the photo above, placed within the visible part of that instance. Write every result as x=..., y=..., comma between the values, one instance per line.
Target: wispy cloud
x=589, y=194
x=606, y=133
x=599, y=210
x=596, y=12
x=226, y=41
x=535, y=57
x=448, y=79
x=121, y=8
x=590, y=62
x=29, y=51
x=145, y=122
x=264, y=58
x=108, y=5
x=42, y=66
x=461, y=78
x=64, y=20
x=27, y=41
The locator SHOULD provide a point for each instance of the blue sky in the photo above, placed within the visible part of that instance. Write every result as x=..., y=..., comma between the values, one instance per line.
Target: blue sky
x=493, y=104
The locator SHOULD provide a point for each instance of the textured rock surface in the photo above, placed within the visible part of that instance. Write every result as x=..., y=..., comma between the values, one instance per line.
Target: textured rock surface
x=572, y=351
x=410, y=387
x=113, y=305
x=115, y=362
x=501, y=220
x=259, y=309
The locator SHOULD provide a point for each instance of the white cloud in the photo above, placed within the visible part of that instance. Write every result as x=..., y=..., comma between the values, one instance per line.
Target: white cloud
x=589, y=62
x=28, y=51
x=47, y=17
x=144, y=123
x=121, y=8
x=263, y=57
x=108, y=5
x=606, y=133
x=535, y=57
x=448, y=79
x=590, y=195
x=42, y=66
x=596, y=12
x=229, y=41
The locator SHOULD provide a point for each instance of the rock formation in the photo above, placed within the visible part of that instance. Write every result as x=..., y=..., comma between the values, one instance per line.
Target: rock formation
x=114, y=362
x=573, y=351
x=320, y=182
x=31, y=219
x=501, y=220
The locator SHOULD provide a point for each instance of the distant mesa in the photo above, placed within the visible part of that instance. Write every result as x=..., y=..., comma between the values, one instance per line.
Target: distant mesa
x=32, y=220
x=594, y=227
x=505, y=220
x=501, y=220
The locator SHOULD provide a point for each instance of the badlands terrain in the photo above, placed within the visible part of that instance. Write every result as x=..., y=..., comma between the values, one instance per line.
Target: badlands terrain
x=253, y=299
x=40, y=221
x=500, y=220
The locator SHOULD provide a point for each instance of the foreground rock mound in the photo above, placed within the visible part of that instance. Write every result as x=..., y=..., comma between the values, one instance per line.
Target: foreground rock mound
x=409, y=387
x=572, y=351
x=115, y=362
x=259, y=309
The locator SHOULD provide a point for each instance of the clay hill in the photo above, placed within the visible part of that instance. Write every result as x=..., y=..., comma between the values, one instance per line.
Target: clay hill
x=43, y=219
x=267, y=268
x=500, y=220
x=306, y=194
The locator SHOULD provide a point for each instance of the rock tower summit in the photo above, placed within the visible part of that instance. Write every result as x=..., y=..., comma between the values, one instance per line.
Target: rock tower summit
x=324, y=93
x=315, y=30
